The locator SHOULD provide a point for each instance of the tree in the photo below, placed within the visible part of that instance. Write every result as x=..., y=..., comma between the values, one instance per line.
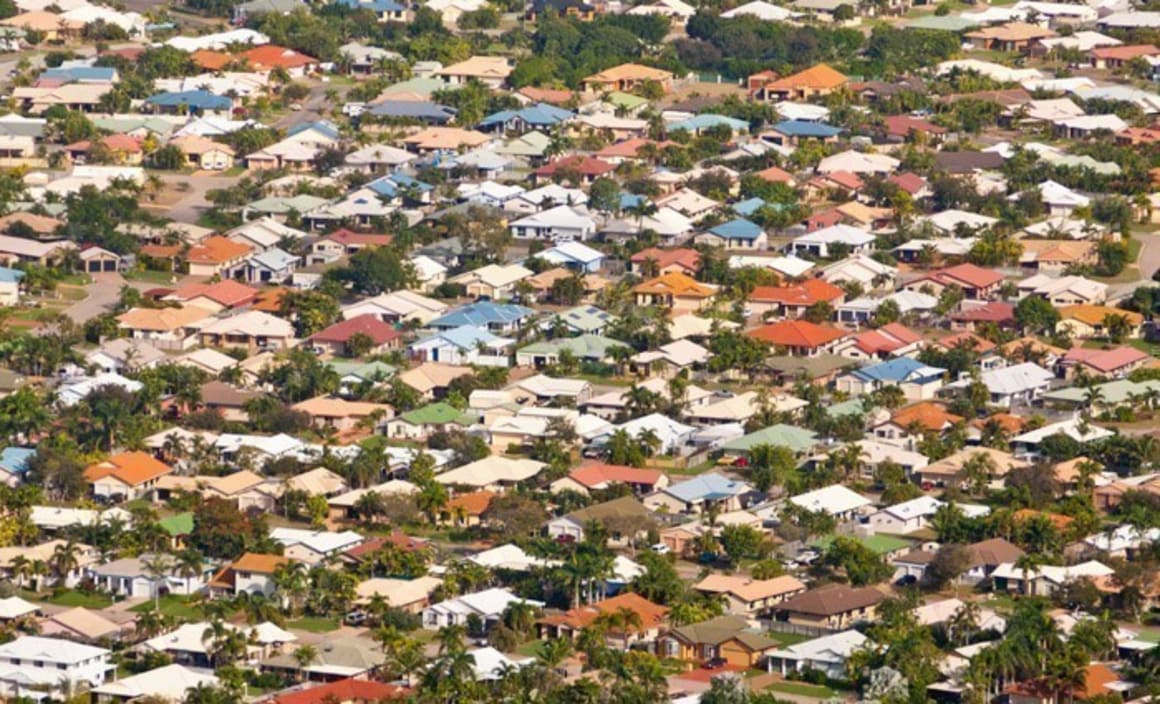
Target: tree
x=861, y=564
x=742, y=542
x=300, y=375
x=169, y=158
x=158, y=567
x=311, y=311
x=517, y=514
x=1036, y=315
x=376, y=270
x=949, y=563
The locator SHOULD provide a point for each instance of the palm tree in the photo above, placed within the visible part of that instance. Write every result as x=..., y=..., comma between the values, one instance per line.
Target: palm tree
x=158, y=567
x=64, y=561
x=1028, y=563
x=624, y=621
x=305, y=655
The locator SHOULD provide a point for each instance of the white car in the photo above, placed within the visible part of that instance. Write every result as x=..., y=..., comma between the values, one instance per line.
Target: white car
x=661, y=549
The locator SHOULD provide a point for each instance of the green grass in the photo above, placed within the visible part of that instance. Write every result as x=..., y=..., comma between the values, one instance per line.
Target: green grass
x=178, y=607
x=1151, y=348
x=532, y=648
x=787, y=639
x=1134, y=247
x=74, y=598
x=1002, y=602
x=315, y=624
x=803, y=689
x=76, y=279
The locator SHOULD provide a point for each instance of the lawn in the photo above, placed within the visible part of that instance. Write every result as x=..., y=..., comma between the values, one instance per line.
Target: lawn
x=1002, y=602
x=803, y=689
x=532, y=648
x=315, y=624
x=74, y=598
x=1151, y=348
x=787, y=639
x=1134, y=247
x=178, y=607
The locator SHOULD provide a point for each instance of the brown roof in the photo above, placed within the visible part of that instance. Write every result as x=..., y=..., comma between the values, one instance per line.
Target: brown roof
x=833, y=599
x=993, y=552
x=219, y=393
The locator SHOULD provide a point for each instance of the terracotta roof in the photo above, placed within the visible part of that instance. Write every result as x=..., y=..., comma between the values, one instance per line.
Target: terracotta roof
x=597, y=473
x=844, y=179
x=807, y=293
x=832, y=599
x=796, y=333
x=1106, y=360
x=675, y=284
x=131, y=468
x=367, y=324
x=348, y=691
x=929, y=415
x=259, y=563
x=228, y=293
x=546, y=95
x=274, y=56
x=1058, y=520
x=473, y=504
x=687, y=258
x=886, y=338
x=348, y=237
x=1124, y=52
x=378, y=542
x=1008, y=422
x=820, y=77
x=968, y=274
x=910, y=182
x=775, y=174
x=903, y=125
x=631, y=147
x=651, y=615
x=211, y=60
x=584, y=165
x=1096, y=678
x=993, y=312
x=217, y=250
x=269, y=300
x=967, y=339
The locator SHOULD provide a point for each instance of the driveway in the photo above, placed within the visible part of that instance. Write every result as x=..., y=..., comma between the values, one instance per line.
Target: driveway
x=101, y=296
x=315, y=107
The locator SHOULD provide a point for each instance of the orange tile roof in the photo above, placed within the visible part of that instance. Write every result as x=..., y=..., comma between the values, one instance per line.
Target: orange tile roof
x=796, y=333
x=217, y=250
x=775, y=174
x=807, y=293
x=1094, y=315
x=820, y=77
x=259, y=563
x=597, y=473
x=675, y=283
x=274, y=56
x=228, y=293
x=651, y=615
x=687, y=258
x=131, y=468
x=474, y=504
x=270, y=300
x=1058, y=520
x=211, y=60
x=969, y=339
x=931, y=416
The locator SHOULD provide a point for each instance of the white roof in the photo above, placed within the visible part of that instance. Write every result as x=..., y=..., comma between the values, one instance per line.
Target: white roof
x=789, y=110
x=1084, y=41
x=1070, y=427
x=15, y=607
x=833, y=499
x=491, y=664
x=543, y=385
x=834, y=648
x=915, y=508
x=54, y=650
x=875, y=452
x=667, y=222
x=791, y=265
x=991, y=70
x=495, y=275
x=761, y=10
x=492, y=470
x=858, y=163
x=323, y=542
x=1122, y=538
x=218, y=41
x=170, y=683
x=489, y=602
x=670, y=432
x=559, y=216
x=1016, y=379
x=837, y=234
x=509, y=557
x=1054, y=573
x=555, y=193
x=402, y=303
x=1112, y=123
x=949, y=220
x=1045, y=285
x=682, y=353
x=1132, y=19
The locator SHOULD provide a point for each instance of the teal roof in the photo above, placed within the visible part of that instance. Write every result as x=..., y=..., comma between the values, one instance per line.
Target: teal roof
x=797, y=439
x=846, y=408
x=946, y=23
x=367, y=371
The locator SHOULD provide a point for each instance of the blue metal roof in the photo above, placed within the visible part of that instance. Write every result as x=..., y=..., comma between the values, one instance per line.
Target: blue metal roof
x=14, y=460
x=196, y=99
x=394, y=184
x=539, y=115
x=702, y=122
x=10, y=276
x=372, y=5
x=414, y=109
x=481, y=313
x=900, y=369
x=630, y=200
x=807, y=128
x=748, y=206
x=706, y=487
x=466, y=337
x=325, y=127
x=739, y=229
x=81, y=73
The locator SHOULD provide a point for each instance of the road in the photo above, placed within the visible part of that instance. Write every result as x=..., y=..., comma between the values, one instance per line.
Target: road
x=315, y=107
x=1148, y=262
x=101, y=295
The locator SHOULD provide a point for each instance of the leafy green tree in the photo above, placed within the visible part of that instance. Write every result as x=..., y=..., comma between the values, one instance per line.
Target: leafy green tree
x=741, y=542
x=1035, y=315
x=861, y=564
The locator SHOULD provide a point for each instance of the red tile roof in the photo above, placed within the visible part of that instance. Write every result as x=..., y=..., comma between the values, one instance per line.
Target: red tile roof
x=1106, y=360
x=886, y=338
x=367, y=324
x=994, y=312
x=967, y=275
x=349, y=237
x=903, y=125
x=273, y=56
x=584, y=165
x=910, y=182
x=595, y=474
x=689, y=259
x=807, y=293
x=344, y=692
x=228, y=293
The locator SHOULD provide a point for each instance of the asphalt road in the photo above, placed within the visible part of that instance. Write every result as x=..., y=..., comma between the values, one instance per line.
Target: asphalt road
x=1148, y=262
x=193, y=202
x=102, y=294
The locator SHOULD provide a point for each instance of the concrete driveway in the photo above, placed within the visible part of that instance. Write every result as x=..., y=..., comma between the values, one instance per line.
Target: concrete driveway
x=101, y=296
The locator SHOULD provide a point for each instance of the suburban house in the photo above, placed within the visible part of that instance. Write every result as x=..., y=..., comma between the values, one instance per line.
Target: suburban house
x=750, y=597
x=675, y=290
x=127, y=476
x=147, y=575
x=832, y=607
x=568, y=624
x=57, y=666
x=918, y=381
x=799, y=337
x=827, y=654
x=488, y=606
x=252, y=573
x=730, y=637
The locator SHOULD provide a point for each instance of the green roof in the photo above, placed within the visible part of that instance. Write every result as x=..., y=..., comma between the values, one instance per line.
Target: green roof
x=797, y=439
x=946, y=23
x=280, y=205
x=181, y=524
x=852, y=407
x=363, y=370
x=582, y=346
x=880, y=544
x=1113, y=392
x=627, y=101
x=438, y=414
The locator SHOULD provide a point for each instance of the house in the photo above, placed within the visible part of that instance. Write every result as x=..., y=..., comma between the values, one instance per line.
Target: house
x=832, y=607
x=397, y=307
x=495, y=473
x=214, y=297
x=147, y=575
x=80, y=625
x=908, y=424
x=492, y=71
x=1116, y=363
x=731, y=638
x=1085, y=321
x=336, y=658
x=1013, y=37
x=271, y=56
x=667, y=361
x=1065, y=290
x=1046, y=579
x=125, y=355
x=750, y=597
x=344, y=691
x=204, y=153
x=488, y=606
x=676, y=291
x=420, y=423
x=624, y=510
x=569, y=624
x=217, y=255
x=799, y=337
x=816, y=81
x=562, y=223
x=597, y=476
x=827, y=654
x=574, y=256
x=252, y=573
x=164, y=328
x=949, y=470
x=166, y=683
x=836, y=500
x=368, y=330
x=905, y=517
x=626, y=78
x=274, y=266
x=464, y=345
x=493, y=281
x=657, y=262
x=835, y=241
x=737, y=234
x=252, y=330
x=1019, y=383
x=313, y=547
x=976, y=282
x=918, y=381
x=344, y=416
x=889, y=341
x=697, y=494
x=408, y=595
x=125, y=476
x=793, y=301
x=35, y=666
